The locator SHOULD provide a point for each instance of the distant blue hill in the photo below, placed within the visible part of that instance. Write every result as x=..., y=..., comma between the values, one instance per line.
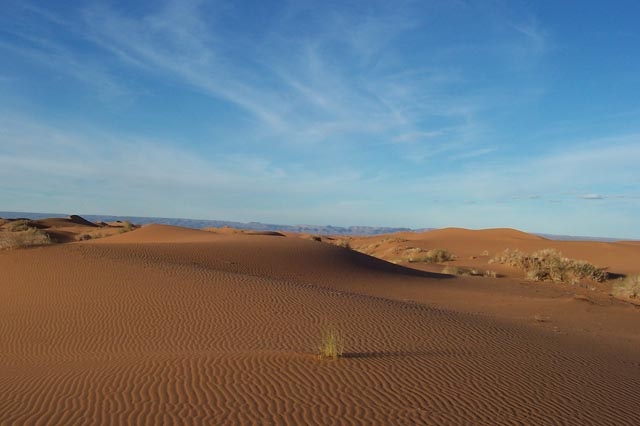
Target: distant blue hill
x=257, y=226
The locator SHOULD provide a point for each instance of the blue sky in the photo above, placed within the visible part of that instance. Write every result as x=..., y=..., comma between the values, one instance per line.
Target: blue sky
x=475, y=114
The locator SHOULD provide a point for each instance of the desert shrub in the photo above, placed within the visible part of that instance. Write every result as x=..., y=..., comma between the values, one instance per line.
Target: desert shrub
x=461, y=271
x=550, y=265
x=509, y=257
x=437, y=255
x=30, y=237
x=126, y=227
x=331, y=344
x=22, y=225
x=342, y=242
x=627, y=288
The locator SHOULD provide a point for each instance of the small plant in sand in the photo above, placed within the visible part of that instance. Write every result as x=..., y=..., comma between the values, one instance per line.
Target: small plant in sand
x=627, y=288
x=331, y=344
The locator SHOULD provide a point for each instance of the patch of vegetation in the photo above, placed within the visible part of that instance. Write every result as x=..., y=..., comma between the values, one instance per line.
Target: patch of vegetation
x=509, y=257
x=342, y=242
x=468, y=272
x=126, y=227
x=550, y=265
x=28, y=238
x=436, y=255
x=460, y=271
x=331, y=344
x=22, y=225
x=87, y=236
x=370, y=249
x=627, y=288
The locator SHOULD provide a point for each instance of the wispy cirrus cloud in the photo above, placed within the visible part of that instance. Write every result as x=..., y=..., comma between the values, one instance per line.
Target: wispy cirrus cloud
x=302, y=107
x=344, y=77
x=558, y=173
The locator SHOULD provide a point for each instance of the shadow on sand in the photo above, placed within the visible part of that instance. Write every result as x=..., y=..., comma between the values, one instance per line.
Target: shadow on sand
x=388, y=354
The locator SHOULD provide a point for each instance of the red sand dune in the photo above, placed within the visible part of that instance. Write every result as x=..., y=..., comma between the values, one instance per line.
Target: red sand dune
x=619, y=257
x=165, y=325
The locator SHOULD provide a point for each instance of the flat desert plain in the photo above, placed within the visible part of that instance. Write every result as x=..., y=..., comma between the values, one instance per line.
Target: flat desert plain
x=172, y=326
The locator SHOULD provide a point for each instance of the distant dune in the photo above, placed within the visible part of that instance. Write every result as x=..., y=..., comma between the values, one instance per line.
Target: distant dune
x=168, y=325
x=258, y=226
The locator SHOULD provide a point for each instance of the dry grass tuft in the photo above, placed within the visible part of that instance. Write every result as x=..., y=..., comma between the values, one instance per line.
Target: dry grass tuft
x=436, y=255
x=27, y=238
x=90, y=236
x=22, y=225
x=127, y=226
x=342, y=242
x=627, y=288
x=460, y=271
x=331, y=344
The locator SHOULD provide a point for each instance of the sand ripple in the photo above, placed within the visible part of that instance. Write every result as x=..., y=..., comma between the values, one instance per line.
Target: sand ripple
x=224, y=332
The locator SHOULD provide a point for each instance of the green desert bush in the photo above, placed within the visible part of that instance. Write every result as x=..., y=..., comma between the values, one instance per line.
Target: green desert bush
x=627, y=288
x=331, y=344
x=28, y=238
x=550, y=265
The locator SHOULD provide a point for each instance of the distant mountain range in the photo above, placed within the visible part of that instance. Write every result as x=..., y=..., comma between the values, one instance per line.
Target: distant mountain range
x=201, y=223
x=258, y=226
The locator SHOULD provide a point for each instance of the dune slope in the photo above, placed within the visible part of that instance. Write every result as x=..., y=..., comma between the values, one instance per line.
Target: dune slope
x=171, y=326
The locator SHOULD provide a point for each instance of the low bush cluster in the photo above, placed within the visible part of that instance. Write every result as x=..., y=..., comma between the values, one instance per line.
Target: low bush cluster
x=461, y=271
x=22, y=225
x=29, y=237
x=550, y=265
x=436, y=255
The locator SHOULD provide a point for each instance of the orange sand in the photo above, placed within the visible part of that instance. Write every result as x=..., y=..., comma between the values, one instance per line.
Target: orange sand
x=164, y=325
